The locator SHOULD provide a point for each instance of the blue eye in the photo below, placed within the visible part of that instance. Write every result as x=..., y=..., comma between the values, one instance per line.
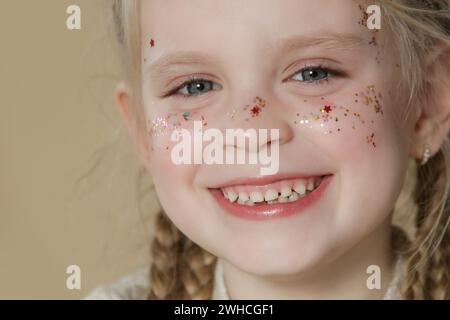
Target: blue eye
x=197, y=87
x=312, y=74
x=193, y=87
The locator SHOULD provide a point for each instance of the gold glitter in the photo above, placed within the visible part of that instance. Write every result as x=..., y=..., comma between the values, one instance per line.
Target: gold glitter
x=371, y=140
x=158, y=126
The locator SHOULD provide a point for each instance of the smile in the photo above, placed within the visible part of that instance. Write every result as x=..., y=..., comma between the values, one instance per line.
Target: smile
x=279, y=192
x=279, y=198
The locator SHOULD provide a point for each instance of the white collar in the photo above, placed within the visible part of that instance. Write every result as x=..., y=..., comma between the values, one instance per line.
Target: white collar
x=220, y=289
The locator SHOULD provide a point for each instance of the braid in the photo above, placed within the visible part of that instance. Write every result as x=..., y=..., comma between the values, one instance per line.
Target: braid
x=439, y=278
x=427, y=262
x=165, y=252
x=423, y=23
x=196, y=272
x=180, y=269
x=438, y=275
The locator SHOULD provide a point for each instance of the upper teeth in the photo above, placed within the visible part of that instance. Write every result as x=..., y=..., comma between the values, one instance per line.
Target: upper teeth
x=244, y=196
x=285, y=191
x=256, y=197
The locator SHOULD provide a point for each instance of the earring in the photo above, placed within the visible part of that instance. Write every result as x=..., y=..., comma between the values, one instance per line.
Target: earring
x=426, y=155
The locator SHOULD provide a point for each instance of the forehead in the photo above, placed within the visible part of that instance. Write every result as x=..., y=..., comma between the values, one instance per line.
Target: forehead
x=234, y=24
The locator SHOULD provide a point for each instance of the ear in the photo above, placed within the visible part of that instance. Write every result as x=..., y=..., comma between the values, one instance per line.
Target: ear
x=123, y=97
x=433, y=117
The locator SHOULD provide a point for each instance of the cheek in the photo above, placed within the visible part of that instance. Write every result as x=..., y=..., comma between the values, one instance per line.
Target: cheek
x=171, y=181
x=352, y=127
x=160, y=130
x=359, y=134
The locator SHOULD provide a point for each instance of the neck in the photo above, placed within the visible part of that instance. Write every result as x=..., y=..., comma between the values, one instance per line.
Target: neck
x=343, y=278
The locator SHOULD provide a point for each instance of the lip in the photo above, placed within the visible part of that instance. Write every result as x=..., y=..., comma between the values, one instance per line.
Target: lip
x=264, y=180
x=271, y=211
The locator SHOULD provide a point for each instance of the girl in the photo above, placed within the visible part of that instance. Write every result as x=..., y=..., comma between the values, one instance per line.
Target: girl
x=356, y=92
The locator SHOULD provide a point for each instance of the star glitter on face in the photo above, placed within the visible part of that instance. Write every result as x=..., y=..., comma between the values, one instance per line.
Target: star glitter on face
x=186, y=115
x=374, y=33
x=371, y=140
x=255, y=111
x=160, y=124
x=256, y=106
x=173, y=121
x=373, y=40
x=327, y=109
x=371, y=98
x=364, y=17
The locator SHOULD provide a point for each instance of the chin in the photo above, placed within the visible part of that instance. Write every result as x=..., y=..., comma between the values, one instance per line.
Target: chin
x=282, y=261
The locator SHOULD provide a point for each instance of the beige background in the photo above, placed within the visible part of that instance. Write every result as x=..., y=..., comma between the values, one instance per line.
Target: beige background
x=57, y=121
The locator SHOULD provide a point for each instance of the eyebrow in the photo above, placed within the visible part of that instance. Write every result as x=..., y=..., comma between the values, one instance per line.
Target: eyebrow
x=342, y=41
x=162, y=65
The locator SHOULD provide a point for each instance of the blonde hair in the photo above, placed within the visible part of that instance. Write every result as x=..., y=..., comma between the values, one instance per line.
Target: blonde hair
x=180, y=269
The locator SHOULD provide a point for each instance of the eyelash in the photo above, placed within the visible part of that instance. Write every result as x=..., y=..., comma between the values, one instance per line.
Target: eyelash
x=190, y=80
x=331, y=73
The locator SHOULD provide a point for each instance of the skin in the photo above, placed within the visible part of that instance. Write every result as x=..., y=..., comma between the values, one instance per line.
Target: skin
x=325, y=251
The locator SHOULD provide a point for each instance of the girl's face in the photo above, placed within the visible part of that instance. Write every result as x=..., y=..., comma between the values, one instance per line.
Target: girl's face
x=311, y=69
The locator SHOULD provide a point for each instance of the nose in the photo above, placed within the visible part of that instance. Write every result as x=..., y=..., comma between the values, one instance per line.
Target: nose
x=259, y=112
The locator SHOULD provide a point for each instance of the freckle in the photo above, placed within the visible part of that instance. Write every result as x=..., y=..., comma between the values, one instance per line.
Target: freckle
x=295, y=122
x=339, y=130
x=167, y=148
x=298, y=114
x=353, y=127
x=356, y=101
x=345, y=114
x=337, y=119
